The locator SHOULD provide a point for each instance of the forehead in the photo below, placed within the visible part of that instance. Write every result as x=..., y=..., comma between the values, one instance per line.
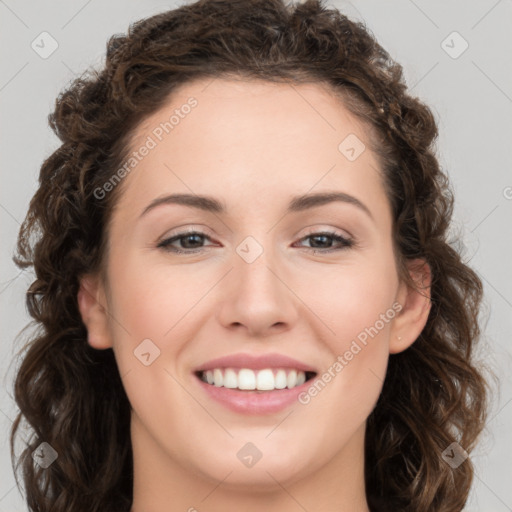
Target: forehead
x=251, y=139
x=231, y=107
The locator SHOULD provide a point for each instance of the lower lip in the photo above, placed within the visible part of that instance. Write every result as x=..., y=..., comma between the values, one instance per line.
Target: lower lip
x=253, y=402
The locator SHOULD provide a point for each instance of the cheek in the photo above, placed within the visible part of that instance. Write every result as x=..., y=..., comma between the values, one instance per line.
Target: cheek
x=152, y=299
x=157, y=302
x=360, y=313
x=355, y=298
x=358, y=308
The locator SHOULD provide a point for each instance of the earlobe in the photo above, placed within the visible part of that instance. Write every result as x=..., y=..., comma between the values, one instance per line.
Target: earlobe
x=415, y=303
x=92, y=305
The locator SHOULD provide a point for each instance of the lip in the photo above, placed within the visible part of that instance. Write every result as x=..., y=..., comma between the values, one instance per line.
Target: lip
x=253, y=402
x=255, y=362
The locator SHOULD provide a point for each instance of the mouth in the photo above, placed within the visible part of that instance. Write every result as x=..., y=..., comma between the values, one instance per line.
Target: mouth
x=257, y=381
x=254, y=384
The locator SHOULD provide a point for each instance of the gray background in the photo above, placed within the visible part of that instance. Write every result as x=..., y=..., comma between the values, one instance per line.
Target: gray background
x=471, y=96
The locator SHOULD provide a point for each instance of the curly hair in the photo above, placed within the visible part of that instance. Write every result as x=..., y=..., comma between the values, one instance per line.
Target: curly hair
x=72, y=396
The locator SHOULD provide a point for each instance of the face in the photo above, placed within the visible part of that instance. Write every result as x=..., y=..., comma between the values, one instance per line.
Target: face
x=260, y=275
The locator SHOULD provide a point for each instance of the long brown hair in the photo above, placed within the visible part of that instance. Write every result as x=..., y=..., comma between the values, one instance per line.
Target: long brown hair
x=71, y=395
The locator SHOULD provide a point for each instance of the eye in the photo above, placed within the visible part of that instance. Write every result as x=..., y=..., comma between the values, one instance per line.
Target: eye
x=190, y=241
x=321, y=241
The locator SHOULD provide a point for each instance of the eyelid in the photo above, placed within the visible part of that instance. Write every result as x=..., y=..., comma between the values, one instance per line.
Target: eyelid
x=186, y=228
x=203, y=230
x=347, y=241
x=314, y=230
x=166, y=240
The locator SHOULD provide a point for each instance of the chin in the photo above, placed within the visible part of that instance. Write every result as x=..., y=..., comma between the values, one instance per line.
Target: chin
x=250, y=467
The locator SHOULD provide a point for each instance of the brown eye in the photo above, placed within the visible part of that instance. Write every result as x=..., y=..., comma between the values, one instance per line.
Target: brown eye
x=190, y=242
x=322, y=242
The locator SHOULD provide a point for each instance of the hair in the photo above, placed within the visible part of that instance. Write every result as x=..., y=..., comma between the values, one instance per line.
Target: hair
x=72, y=396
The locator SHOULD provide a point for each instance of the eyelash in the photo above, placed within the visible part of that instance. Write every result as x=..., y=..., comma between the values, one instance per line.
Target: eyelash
x=346, y=243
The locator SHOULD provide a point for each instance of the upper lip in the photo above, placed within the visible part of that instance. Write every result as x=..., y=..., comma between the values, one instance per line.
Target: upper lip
x=254, y=362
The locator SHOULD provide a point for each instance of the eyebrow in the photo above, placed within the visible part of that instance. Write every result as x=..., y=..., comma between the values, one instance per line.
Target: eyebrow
x=297, y=204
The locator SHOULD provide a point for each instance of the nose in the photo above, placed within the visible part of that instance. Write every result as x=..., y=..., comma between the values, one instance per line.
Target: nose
x=257, y=298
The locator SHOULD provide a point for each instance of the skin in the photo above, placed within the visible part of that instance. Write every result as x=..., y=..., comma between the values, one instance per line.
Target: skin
x=252, y=145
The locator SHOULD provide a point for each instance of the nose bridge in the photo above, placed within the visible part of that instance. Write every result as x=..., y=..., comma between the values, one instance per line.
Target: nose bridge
x=258, y=297
x=253, y=269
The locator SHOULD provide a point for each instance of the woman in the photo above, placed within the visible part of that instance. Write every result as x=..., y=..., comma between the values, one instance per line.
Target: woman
x=246, y=295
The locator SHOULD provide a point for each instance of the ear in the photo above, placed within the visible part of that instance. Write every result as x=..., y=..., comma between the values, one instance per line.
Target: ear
x=93, y=309
x=415, y=302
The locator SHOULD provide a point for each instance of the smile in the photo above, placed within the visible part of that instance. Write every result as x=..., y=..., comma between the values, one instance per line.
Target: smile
x=249, y=384
x=246, y=379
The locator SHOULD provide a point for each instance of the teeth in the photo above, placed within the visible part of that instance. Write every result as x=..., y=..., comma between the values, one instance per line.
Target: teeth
x=265, y=380
x=246, y=379
x=292, y=379
x=230, y=379
x=280, y=381
x=262, y=380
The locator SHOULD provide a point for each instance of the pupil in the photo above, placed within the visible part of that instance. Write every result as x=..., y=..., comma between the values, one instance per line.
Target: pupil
x=320, y=236
x=189, y=237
